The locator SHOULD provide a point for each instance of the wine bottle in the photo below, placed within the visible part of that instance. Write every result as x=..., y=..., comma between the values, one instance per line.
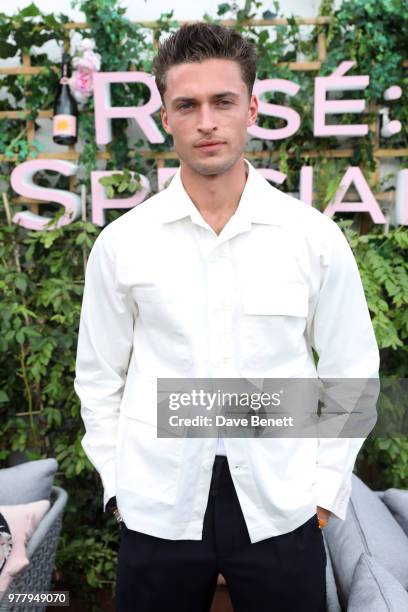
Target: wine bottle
x=64, y=123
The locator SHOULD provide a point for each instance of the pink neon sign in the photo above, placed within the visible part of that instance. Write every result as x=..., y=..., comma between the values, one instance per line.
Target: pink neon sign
x=22, y=175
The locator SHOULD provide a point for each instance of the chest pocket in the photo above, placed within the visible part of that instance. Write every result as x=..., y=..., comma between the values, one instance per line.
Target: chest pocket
x=281, y=298
x=166, y=290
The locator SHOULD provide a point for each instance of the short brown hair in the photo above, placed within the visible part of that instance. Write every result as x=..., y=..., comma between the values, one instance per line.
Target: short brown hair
x=199, y=41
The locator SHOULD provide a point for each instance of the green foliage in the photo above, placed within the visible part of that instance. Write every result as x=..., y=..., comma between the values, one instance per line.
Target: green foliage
x=120, y=184
x=41, y=284
x=120, y=44
x=373, y=34
x=383, y=462
x=42, y=273
x=382, y=261
x=382, y=264
x=28, y=28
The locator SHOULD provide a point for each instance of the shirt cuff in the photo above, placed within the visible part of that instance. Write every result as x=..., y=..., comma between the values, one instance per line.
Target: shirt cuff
x=109, y=484
x=332, y=494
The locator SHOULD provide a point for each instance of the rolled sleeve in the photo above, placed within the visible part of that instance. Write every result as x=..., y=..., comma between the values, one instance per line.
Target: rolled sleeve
x=104, y=348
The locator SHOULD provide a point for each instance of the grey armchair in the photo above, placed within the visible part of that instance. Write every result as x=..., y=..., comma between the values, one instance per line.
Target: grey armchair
x=35, y=482
x=367, y=554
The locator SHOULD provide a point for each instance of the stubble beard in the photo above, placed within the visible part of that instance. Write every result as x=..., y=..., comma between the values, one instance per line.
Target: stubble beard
x=214, y=167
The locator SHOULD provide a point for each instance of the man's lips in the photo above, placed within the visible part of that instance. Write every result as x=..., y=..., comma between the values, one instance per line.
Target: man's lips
x=210, y=145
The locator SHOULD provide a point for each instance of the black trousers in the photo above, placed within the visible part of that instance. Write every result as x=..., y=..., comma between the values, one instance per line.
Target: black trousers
x=284, y=573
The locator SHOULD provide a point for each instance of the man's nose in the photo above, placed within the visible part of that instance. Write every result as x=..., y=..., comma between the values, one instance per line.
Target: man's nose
x=206, y=120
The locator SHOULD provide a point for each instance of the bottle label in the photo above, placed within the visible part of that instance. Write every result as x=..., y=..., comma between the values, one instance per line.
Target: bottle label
x=64, y=125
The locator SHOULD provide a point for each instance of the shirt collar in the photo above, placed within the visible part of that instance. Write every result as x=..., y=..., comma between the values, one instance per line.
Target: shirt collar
x=259, y=202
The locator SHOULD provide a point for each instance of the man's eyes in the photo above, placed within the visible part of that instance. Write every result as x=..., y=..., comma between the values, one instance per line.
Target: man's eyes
x=189, y=104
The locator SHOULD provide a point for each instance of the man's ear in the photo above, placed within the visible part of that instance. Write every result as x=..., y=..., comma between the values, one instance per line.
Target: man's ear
x=252, y=111
x=164, y=119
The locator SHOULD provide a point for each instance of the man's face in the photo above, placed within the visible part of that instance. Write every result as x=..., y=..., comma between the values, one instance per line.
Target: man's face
x=208, y=101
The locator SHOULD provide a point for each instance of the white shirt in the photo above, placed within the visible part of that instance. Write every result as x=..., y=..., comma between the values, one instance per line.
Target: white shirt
x=165, y=296
x=206, y=240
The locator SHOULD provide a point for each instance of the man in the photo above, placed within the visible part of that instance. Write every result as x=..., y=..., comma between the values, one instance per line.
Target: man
x=220, y=275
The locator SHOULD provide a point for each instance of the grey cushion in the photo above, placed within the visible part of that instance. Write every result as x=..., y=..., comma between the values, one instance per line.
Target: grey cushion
x=396, y=500
x=40, y=534
x=369, y=527
x=27, y=482
x=374, y=589
x=332, y=599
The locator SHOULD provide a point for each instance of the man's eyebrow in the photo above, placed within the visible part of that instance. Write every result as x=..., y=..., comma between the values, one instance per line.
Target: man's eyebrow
x=222, y=94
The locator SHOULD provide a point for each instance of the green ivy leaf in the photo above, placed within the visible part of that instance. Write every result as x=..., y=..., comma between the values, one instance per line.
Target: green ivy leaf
x=7, y=49
x=3, y=396
x=268, y=15
x=20, y=336
x=223, y=8
x=30, y=11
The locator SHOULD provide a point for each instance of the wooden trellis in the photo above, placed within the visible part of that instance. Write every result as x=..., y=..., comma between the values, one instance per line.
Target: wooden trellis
x=160, y=157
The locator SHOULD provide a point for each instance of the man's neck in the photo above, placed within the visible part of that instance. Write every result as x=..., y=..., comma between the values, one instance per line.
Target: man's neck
x=216, y=196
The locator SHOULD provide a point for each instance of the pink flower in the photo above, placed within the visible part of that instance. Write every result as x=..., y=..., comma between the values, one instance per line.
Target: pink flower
x=83, y=80
x=87, y=43
x=89, y=60
x=81, y=84
x=85, y=63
